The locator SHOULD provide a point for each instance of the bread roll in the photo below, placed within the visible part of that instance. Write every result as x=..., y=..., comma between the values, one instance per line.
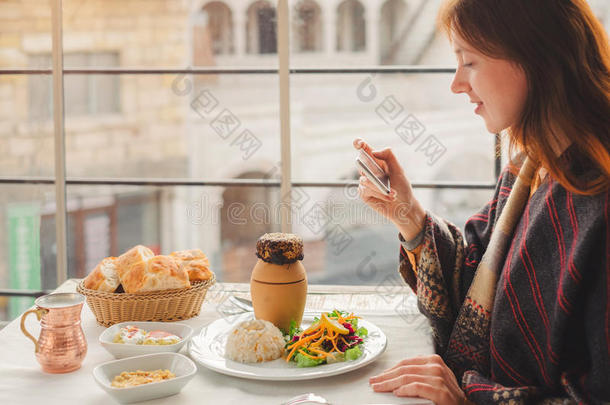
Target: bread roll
x=187, y=255
x=156, y=273
x=104, y=277
x=196, y=264
x=134, y=255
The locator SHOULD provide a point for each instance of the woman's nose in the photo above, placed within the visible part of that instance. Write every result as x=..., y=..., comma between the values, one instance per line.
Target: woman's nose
x=459, y=84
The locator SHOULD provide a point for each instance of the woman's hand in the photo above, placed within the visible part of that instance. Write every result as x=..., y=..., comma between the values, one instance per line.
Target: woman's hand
x=425, y=377
x=400, y=206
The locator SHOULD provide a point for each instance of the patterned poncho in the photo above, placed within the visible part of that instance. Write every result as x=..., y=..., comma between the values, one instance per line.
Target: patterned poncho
x=549, y=334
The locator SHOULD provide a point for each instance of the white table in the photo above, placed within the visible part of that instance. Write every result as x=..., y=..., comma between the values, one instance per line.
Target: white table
x=23, y=382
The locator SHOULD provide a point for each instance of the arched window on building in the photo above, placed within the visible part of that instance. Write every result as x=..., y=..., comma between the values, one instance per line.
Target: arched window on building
x=307, y=26
x=220, y=27
x=261, y=28
x=392, y=22
x=351, y=27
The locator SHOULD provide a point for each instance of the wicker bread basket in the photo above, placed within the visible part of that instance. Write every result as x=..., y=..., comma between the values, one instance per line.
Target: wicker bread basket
x=159, y=306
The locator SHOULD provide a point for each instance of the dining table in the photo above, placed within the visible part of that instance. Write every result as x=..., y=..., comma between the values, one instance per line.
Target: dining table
x=393, y=308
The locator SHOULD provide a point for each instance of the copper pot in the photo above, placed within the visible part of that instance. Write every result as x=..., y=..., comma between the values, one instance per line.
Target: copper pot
x=61, y=346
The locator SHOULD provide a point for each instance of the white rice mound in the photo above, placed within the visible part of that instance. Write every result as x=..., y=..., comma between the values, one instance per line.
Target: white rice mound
x=254, y=341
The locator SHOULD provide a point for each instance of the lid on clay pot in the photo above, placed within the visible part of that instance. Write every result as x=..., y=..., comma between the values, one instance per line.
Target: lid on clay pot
x=279, y=248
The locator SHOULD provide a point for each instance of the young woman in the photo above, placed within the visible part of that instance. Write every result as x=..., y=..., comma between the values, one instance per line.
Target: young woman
x=520, y=303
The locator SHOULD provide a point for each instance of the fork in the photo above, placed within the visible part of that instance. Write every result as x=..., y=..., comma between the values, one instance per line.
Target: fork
x=305, y=398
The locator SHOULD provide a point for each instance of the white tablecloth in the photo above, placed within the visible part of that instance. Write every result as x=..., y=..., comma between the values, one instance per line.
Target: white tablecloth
x=23, y=382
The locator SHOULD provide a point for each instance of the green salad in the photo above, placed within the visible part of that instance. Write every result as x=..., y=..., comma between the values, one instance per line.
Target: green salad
x=331, y=338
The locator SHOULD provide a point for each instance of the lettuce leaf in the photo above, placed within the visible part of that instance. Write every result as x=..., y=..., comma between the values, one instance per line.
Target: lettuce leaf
x=353, y=353
x=304, y=361
x=294, y=329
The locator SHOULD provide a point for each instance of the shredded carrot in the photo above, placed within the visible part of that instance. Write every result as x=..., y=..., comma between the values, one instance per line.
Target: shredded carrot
x=335, y=345
x=305, y=339
x=319, y=341
x=318, y=351
x=301, y=342
x=310, y=356
x=290, y=354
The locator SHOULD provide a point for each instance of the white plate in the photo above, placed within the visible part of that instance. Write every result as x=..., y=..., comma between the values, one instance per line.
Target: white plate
x=180, y=365
x=208, y=349
x=122, y=350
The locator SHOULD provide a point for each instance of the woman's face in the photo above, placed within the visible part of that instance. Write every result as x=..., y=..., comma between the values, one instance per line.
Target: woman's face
x=497, y=87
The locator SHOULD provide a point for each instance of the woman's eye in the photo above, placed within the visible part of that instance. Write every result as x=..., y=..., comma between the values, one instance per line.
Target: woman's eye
x=467, y=64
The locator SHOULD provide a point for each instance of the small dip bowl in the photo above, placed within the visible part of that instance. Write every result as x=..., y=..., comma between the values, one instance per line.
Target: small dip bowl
x=122, y=350
x=180, y=365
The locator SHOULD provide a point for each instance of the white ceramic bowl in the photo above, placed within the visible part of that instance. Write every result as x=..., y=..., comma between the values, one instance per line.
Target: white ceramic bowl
x=122, y=350
x=180, y=365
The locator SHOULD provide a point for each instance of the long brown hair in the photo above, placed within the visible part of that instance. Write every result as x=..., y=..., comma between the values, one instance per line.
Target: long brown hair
x=563, y=50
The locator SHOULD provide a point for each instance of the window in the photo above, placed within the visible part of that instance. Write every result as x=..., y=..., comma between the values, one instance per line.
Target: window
x=219, y=26
x=167, y=171
x=351, y=26
x=307, y=26
x=84, y=95
x=393, y=23
x=261, y=28
x=220, y=130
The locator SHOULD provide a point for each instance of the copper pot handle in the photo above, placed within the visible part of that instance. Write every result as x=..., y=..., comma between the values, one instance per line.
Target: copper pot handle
x=39, y=313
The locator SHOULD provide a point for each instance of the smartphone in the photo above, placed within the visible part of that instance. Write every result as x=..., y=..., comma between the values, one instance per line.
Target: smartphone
x=373, y=171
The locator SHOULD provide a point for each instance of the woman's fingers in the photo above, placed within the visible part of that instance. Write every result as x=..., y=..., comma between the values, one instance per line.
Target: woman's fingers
x=433, y=358
x=424, y=369
x=372, y=201
x=369, y=189
x=385, y=158
x=405, y=379
x=369, y=184
x=359, y=143
x=425, y=377
x=422, y=390
x=389, y=158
